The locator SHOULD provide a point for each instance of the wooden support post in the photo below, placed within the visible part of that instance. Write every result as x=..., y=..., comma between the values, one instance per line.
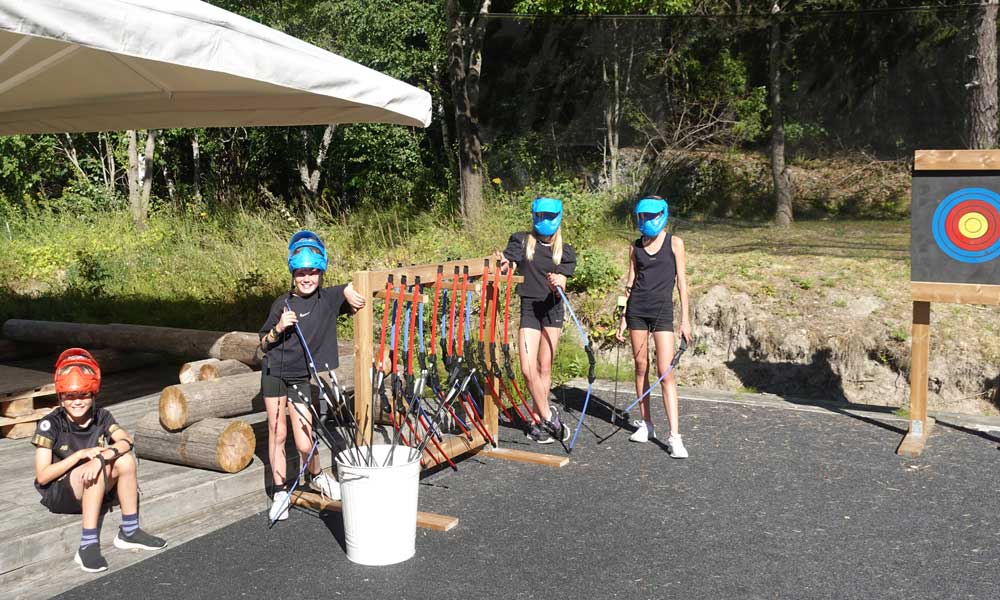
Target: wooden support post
x=314, y=501
x=363, y=354
x=920, y=425
x=532, y=458
x=491, y=412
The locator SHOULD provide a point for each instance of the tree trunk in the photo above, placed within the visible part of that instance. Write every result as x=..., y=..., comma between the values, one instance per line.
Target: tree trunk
x=612, y=107
x=146, y=171
x=69, y=149
x=109, y=147
x=171, y=186
x=310, y=178
x=13, y=350
x=134, y=191
x=191, y=371
x=180, y=343
x=779, y=174
x=187, y=403
x=983, y=87
x=465, y=67
x=184, y=404
x=196, y=163
x=140, y=176
x=222, y=368
x=225, y=445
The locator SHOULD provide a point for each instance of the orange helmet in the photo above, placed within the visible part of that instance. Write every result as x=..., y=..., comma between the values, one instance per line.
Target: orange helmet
x=77, y=371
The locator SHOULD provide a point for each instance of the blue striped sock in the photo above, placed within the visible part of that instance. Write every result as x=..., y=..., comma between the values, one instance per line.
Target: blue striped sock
x=88, y=537
x=130, y=523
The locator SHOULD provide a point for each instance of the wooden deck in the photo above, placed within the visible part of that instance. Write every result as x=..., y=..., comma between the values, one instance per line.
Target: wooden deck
x=173, y=498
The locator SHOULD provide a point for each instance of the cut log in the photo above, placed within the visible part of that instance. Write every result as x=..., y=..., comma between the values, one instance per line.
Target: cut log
x=12, y=350
x=180, y=343
x=222, y=368
x=191, y=371
x=225, y=445
x=116, y=361
x=187, y=403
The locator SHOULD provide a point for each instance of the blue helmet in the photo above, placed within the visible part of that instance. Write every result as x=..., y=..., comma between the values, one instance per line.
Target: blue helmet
x=651, y=216
x=546, y=215
x=306, y=251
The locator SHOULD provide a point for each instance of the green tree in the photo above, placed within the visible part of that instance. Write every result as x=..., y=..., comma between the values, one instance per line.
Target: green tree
x=617, y=57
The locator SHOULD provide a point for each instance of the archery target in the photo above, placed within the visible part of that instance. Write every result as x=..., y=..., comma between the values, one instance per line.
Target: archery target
x=955, y=227
x=967, y=225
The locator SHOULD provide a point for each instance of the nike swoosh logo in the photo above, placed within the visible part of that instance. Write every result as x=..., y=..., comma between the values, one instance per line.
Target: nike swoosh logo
x=304, y=314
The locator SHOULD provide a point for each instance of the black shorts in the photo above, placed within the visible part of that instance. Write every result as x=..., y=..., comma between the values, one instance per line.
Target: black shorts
x=664, y=322
x=58, y=497
x=297, y=390
x=547, y=312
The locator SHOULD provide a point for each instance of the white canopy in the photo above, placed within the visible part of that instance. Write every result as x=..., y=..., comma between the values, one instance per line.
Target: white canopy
x=96, y=65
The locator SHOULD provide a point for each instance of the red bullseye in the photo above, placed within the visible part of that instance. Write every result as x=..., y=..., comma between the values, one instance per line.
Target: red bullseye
x=978, y=213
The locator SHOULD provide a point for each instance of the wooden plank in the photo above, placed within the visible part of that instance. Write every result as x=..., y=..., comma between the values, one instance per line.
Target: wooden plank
x=18, y=431
x=427, y=272
x=425, y=520
x=912, y=445
x=17, y=407
x=15, y=381
x=956, y=160
x=534, y=458
x=35, y=415
x=955, y=293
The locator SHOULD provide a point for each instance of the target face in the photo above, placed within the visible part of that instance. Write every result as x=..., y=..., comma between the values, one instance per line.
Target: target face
x=966, y=225
x=955, y=227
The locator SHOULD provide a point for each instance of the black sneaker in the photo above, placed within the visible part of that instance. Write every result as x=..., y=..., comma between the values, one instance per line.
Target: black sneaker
x=139, y=540
x=539, y=435
x=90, y=560
x=554, y=426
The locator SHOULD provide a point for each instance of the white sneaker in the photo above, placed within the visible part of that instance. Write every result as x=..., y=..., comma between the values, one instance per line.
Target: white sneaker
x=676, y=447
x=279, y=506
x=642, y=432
x=326, y=485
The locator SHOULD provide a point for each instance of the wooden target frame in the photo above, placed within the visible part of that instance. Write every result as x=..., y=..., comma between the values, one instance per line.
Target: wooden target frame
x=371, y=285
x=944, y=162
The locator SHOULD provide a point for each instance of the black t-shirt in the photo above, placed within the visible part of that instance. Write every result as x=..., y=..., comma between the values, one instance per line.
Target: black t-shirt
x=536, y=270
x=655, y=275
x=318, y=321
x=57, y=432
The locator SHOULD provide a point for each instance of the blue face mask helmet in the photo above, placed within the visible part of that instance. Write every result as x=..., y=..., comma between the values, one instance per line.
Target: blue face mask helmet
x=651, y=216
x=306, y=251
x=546, y=215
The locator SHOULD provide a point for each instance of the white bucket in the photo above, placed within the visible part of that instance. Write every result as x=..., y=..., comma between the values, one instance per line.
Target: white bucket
x=380, y=506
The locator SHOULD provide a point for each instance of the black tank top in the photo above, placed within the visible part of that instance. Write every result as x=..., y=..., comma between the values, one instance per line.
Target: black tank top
x=655, y=275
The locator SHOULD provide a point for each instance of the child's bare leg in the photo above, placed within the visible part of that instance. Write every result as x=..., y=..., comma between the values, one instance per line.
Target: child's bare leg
x=277, y=434
x=640, y=339
x=664, y=354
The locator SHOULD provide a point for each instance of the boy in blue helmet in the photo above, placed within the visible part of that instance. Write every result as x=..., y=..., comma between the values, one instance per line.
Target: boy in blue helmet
x=656, y=263
x=285, y=369
x=545, y=262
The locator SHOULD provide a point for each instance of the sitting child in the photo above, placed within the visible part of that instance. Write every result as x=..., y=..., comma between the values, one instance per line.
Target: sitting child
x=82, y=456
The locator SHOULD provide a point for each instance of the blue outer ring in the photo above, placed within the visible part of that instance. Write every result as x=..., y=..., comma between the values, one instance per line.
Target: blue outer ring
x=941, y=216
